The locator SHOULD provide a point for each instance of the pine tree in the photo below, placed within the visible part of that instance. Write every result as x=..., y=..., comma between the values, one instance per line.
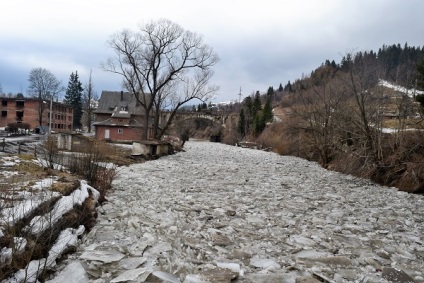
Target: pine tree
x=420, y=74
x=258, y=123
x=270, y=90
x=257, y=105
x=268, y=116
x=280, y=88
x=241, y=127
x=73, y=97
x=288, y=87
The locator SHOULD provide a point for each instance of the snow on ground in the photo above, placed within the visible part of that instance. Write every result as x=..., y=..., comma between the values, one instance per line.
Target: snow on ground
x=409, y=92
x=217, y=213
x=65, y=204
x=67, y=238
x=31, y=199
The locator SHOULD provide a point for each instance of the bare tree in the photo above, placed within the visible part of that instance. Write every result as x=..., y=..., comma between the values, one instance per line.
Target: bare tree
x=89, y=96
x=318, y=117
x=367, y=103
x=164, y=66
x=43, y=85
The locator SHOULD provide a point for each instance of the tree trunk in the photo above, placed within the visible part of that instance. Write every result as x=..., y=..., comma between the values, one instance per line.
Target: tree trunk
x=145, y=131
x=168, y=122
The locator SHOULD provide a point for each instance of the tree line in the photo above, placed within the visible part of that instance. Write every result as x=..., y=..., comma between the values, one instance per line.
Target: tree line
x=343, y=117
x=254, y=116
x=395, y=63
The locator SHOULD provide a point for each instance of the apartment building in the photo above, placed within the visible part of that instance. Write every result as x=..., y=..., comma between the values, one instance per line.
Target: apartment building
x=36, y=113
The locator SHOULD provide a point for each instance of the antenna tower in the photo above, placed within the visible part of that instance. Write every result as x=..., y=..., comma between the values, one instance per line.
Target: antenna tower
x=240, y=95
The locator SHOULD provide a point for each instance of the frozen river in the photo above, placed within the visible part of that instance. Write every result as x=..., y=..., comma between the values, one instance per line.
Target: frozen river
x=217, y=213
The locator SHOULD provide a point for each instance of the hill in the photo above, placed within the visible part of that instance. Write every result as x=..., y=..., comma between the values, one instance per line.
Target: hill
x=363, y=116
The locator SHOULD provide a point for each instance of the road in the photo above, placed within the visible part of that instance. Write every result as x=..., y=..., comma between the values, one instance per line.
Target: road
x=217, y=213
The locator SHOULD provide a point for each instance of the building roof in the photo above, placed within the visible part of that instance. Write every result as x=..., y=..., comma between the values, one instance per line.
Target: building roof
x=108, y=122
x=117, y=103
x=35, y=100
x=121, y=114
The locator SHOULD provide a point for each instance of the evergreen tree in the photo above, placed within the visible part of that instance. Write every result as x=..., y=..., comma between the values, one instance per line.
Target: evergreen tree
x=346, y=62
x=248, y=104
x=258, y=123
x=257, y=105
x=420, y=74
x=73, y=97
x=288, y=87
x=270, y=90
x=267, y=112
x=420, y=99
x=280, y=88
x=241, y=127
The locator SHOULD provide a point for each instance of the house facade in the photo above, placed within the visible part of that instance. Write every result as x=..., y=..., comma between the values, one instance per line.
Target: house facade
x=119, y=117
x=27, y=111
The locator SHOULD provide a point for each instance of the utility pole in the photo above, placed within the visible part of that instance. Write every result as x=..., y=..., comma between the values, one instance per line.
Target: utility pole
x=240, y=95
x=50, y=114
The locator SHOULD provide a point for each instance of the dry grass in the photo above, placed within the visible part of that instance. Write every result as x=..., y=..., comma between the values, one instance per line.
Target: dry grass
x=275, y=137
x=409, y=123
x=401, y=165
x=65, y=187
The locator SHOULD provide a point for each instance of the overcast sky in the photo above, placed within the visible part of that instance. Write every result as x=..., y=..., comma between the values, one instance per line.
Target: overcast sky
x=260, y=43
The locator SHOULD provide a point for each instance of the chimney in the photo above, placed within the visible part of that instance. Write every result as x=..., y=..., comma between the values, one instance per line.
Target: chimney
x=122, y=95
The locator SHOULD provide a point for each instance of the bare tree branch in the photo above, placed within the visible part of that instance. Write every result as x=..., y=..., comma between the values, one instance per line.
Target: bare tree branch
x=164, y=66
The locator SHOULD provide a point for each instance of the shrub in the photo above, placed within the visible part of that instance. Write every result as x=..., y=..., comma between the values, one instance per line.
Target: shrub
x=88, y=165
x=275, y=137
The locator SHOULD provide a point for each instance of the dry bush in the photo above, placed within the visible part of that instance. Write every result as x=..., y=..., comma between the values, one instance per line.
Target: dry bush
x=401, y=166
x=103, y=181
x=404, y=165
x=230, y=137
x=88, y=165
x=31, y=168
x=275, y=137
x=65, y=187
x=51, y=153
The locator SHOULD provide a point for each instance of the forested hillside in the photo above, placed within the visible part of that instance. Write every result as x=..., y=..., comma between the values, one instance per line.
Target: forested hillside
x=345, y=116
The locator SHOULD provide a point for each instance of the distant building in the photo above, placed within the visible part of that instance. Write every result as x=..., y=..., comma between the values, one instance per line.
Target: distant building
x=28, y=110
x=119, y=117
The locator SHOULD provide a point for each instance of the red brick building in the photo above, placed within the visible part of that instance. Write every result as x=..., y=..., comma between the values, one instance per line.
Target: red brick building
x=28, y=110
x=119, y=117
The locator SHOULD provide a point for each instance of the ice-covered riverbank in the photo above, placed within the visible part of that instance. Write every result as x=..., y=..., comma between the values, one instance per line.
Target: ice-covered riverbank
x=216, y=213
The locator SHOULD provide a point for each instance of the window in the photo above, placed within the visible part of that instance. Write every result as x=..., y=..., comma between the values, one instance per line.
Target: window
x=4, y=113
x=20, y=103
x=4, y=103
x=120, y=131
x=120, y=120
x=19, y=116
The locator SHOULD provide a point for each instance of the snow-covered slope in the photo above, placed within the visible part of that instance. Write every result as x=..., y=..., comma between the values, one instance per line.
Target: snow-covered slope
x=409, y=92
